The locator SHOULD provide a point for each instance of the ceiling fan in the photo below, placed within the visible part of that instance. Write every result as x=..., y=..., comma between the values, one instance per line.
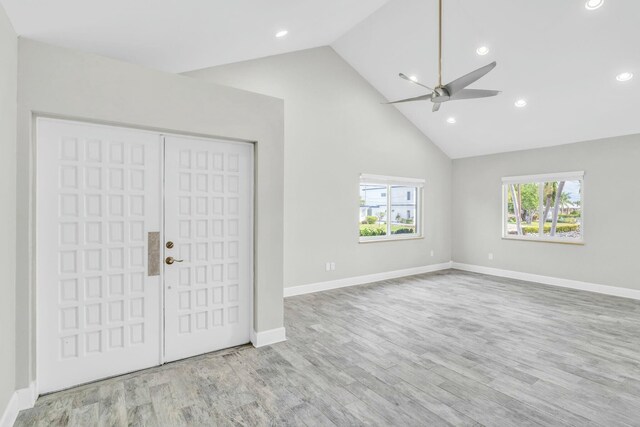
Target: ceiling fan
x=455, y=90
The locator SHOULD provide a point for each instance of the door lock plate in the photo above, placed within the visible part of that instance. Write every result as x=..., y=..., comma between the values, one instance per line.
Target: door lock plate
x=153, y=253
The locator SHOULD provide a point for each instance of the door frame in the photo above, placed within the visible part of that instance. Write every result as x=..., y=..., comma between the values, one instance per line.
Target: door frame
x=33, y=226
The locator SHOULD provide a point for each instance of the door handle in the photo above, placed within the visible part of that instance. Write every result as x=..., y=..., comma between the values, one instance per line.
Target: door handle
x=170, y=260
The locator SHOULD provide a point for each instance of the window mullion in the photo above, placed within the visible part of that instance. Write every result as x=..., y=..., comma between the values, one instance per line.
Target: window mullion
x=541, y=208
x=389, y=211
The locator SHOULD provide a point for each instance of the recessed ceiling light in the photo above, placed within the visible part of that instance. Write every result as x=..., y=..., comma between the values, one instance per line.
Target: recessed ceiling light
x=624, y=77
x=413, y=78
x=521, y=103
x=281, y=33
x=482, y=50
x=593, y=4
x=451, y=120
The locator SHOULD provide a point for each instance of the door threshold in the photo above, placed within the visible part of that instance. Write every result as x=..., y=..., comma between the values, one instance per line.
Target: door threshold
x=122, y=377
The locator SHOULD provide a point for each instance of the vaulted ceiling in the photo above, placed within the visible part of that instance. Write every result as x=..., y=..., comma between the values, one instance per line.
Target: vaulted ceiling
x=560, y=57
x=184, y=35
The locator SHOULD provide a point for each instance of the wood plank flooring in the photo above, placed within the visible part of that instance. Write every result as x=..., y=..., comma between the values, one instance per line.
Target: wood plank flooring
x=447, y=348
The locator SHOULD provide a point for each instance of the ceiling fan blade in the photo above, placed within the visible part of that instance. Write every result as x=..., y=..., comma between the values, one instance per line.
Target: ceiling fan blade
x=464, y=81
x=473, y=93
x=403, y=76
x=436, y=106
x=417, y=98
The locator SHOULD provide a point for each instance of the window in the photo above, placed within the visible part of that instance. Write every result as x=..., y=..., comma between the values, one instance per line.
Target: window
x=390, y=208
x=544, y=207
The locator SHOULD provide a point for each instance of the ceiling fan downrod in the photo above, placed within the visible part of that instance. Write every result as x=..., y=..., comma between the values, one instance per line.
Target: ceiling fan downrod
x=455, y=90
x=439, y=43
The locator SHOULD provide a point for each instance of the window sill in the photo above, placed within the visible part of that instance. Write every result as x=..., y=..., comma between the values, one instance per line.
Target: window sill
x=388, y=239
x=549, y=240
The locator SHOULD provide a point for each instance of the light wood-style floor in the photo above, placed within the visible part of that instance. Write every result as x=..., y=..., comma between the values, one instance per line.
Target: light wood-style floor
x=436, y=349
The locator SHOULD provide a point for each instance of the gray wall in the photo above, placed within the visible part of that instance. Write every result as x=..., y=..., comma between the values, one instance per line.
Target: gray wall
x=335, y=129
x=8, y=88
x=611, y=207
x=67, y=83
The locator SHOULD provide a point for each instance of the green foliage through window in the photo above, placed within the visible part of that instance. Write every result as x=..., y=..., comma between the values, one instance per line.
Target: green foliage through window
x=545, y=208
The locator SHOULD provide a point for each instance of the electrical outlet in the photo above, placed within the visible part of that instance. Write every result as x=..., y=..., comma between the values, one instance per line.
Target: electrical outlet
x=432, y=252
x=490, y=256
x=327, y=267
x=333, y=266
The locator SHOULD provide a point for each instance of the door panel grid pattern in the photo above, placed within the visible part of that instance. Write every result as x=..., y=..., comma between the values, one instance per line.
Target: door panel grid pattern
x=208, y=240
x=102, y=248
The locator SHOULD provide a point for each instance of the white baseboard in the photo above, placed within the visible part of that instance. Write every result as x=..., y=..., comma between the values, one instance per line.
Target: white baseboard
x=361, y=280
x=529, y=277
x=21, y=399
x=272, y=336
x=553, y=281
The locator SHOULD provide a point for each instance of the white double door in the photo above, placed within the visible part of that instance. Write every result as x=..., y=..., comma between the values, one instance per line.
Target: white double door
x=144, y=249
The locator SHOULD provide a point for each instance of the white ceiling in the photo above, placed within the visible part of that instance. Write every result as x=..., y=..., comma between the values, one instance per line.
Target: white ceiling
x=562, y=58
x=559, y=56
x=183, y=35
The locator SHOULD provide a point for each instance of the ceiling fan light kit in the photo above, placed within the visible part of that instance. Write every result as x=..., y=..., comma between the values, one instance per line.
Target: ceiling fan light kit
x=455, y=90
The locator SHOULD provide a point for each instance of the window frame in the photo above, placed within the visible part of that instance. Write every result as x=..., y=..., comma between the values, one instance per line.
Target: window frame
x=393, y=181
x=541, y=179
